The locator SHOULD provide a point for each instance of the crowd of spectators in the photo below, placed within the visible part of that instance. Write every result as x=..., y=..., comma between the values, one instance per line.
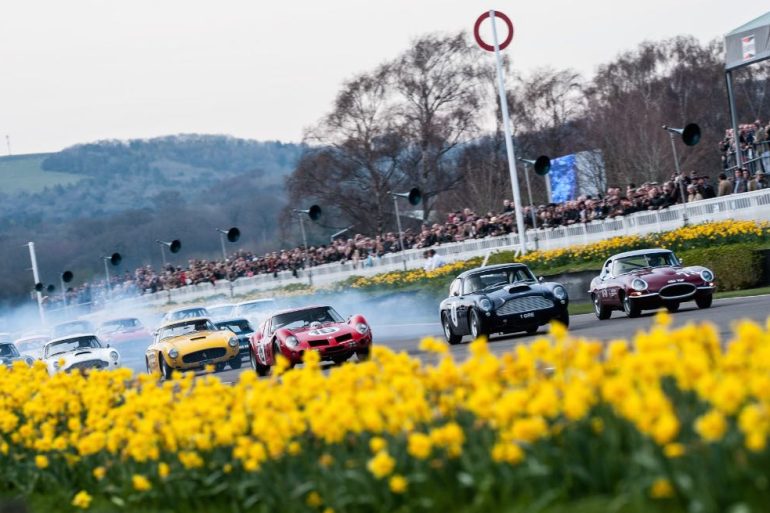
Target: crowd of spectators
x=754, y=142
x=360, y=250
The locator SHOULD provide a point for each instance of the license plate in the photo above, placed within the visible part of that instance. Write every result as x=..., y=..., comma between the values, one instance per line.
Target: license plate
x=528, y=315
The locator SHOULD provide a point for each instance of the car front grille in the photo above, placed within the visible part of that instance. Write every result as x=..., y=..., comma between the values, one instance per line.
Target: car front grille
x=524, y=304
x=677, y=290
x=345, y=337
x=89, y=364
x=206, y=354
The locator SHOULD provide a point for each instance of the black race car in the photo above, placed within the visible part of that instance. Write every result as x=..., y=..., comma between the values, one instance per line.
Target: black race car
x=242, y=329
x=9, y=355
x=502, y=298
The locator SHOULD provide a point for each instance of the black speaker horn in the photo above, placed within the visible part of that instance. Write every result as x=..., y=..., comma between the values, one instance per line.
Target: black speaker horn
x=414, y=196
x=174, y=246
x=233, y=234
x=314, y=212
x=542, y=165
x=67, y=276
x=115, y=258
x=690, y=133
x=50, y=289
x=39, y=287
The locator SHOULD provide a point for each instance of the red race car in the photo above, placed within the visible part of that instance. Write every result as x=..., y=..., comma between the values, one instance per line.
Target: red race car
x=128, y=329
x=313, y=328
x=647, y=279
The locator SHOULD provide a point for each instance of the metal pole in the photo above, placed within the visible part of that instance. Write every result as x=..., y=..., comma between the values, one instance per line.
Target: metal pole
x=36, y=277
x=548, y=188
x=304, y=241
x=682, y=190
x=107, y=273
x=63, y=293
x=222, y=240
x=509, y=140
x=531, y=206
x=163, y=255
x=400, y=233
x=734, y=119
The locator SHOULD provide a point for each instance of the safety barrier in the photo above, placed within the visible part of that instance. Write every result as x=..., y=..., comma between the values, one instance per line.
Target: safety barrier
x=748, y=206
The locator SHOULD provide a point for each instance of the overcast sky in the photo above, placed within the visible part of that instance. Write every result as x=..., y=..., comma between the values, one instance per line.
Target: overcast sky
x=81, y=70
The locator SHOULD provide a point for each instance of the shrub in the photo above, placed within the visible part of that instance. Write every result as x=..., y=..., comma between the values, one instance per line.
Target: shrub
x=736, y=266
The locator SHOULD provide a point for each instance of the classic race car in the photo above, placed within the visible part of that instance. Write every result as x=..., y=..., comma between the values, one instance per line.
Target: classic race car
x=256, y=310
x=10, y=355
x=188, y=312
x=79, y=352
x=314, y=328
x=125, y=330
x=503, y=298
x=190, y=344
x=243, y=330
x=72, y=328
x=32, y=345
x=647, y=279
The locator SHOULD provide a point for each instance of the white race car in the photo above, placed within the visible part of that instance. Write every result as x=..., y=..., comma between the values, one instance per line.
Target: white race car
x=79, y=352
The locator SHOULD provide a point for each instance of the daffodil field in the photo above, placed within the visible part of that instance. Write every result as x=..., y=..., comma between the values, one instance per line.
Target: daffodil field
x=672, y=420
x=686, y=238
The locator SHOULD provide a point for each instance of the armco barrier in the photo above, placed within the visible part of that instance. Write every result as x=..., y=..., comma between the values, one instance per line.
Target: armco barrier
x=748, y=206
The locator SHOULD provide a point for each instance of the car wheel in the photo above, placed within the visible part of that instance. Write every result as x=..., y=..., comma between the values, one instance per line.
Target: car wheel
x=630, y=308
x=261, y=370
x=219, y=367
x=477, y=325
x=235, y=362
x=673, y=306
x=601, y=311
x=563, y=318
x=165, y=370
x=704, y=301
x=339, y=360
x=448, y=333
x=364, y=354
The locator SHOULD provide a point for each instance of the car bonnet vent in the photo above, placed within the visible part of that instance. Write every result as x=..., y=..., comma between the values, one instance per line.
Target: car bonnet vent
x=198, y=338
x=518, y=288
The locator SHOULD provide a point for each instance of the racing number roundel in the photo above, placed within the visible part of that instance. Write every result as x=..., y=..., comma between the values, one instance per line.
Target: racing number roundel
x=477, y=35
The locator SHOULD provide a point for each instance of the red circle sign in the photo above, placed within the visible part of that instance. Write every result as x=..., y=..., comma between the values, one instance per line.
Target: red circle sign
x=481, y=42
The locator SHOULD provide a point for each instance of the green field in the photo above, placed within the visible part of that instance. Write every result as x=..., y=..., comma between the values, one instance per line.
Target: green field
x=24, y=173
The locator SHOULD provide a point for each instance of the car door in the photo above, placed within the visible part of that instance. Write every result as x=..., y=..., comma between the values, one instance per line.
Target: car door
x=453, y=307
x=604, y=286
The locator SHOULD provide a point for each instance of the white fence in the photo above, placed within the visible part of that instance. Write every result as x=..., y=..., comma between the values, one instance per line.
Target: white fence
x=748, y=206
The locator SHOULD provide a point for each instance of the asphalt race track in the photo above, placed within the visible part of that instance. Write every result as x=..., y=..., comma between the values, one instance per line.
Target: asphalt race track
x=406, y=337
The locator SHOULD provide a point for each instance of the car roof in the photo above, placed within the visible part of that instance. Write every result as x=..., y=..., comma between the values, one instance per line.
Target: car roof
x=74, y=335
x=490, y=268
x=31, y=337
x=638, y=252
x=299, y=309
x=182, y=321
x=176, y=310
x=231, y=319
x=118, y=319
x=220, y=305
x=76, y=321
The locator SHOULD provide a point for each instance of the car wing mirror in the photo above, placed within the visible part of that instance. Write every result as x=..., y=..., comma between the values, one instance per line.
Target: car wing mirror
x=541, y=279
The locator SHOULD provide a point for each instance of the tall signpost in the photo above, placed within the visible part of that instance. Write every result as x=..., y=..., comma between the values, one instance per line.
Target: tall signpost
x=497, y=47
x=36, y=277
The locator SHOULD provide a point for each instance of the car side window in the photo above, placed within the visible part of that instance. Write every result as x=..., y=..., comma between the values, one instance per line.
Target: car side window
x=454, y=288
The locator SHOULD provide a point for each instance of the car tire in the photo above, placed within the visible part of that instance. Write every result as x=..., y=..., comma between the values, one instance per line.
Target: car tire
x=602, y=311
x=236, y=362
x=364, y=354
x=450, y=335
x=563, y=318
x=165, y=370
x=630, y=308
x=672, y=306
x=261, y=370
x=147, y=364
x=704, y=301
x=219, y=367
x=476, y=324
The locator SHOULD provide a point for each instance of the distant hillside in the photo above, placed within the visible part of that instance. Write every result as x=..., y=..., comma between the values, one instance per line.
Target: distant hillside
x=25, y=173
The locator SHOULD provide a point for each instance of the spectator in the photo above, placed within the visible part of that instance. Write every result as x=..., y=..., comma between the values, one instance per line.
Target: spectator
x=740, y=183
x=725, y=186
x=759, y=182
x=693, y=194
x=432, y=260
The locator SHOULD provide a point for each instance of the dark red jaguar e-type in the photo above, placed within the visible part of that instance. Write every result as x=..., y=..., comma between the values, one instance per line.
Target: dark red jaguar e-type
x=647, y=279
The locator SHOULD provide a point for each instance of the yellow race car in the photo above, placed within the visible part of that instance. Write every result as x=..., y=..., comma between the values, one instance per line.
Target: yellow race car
x=191, y=344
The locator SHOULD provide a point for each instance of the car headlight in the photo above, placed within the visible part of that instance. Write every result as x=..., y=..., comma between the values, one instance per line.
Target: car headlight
x=485, y=304
x=707, y=275
x=560, y=292
x=173, y=353
x=233, y=342
x=639, y=284
x=56, y=364
x=291, y=342
x=362, y=328
x=114, y=355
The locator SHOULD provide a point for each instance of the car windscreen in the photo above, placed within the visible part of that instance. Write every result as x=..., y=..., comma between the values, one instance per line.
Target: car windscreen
x=121, y=324
x=304, y=318
x=177, y=330
x=238, y=327
x=495, y=278
x=31, y=345
x=71, y=344
x=8, y=351
x=191, y=313
x=72, y=327
x=634, y=263
x=220, y=310
x=261, y=306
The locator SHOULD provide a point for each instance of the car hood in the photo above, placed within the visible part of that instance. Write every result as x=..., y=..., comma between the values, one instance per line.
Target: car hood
x=325, y=331
x=524, y=289
x=662, y=275
x=199, y=340
x=102, y=353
